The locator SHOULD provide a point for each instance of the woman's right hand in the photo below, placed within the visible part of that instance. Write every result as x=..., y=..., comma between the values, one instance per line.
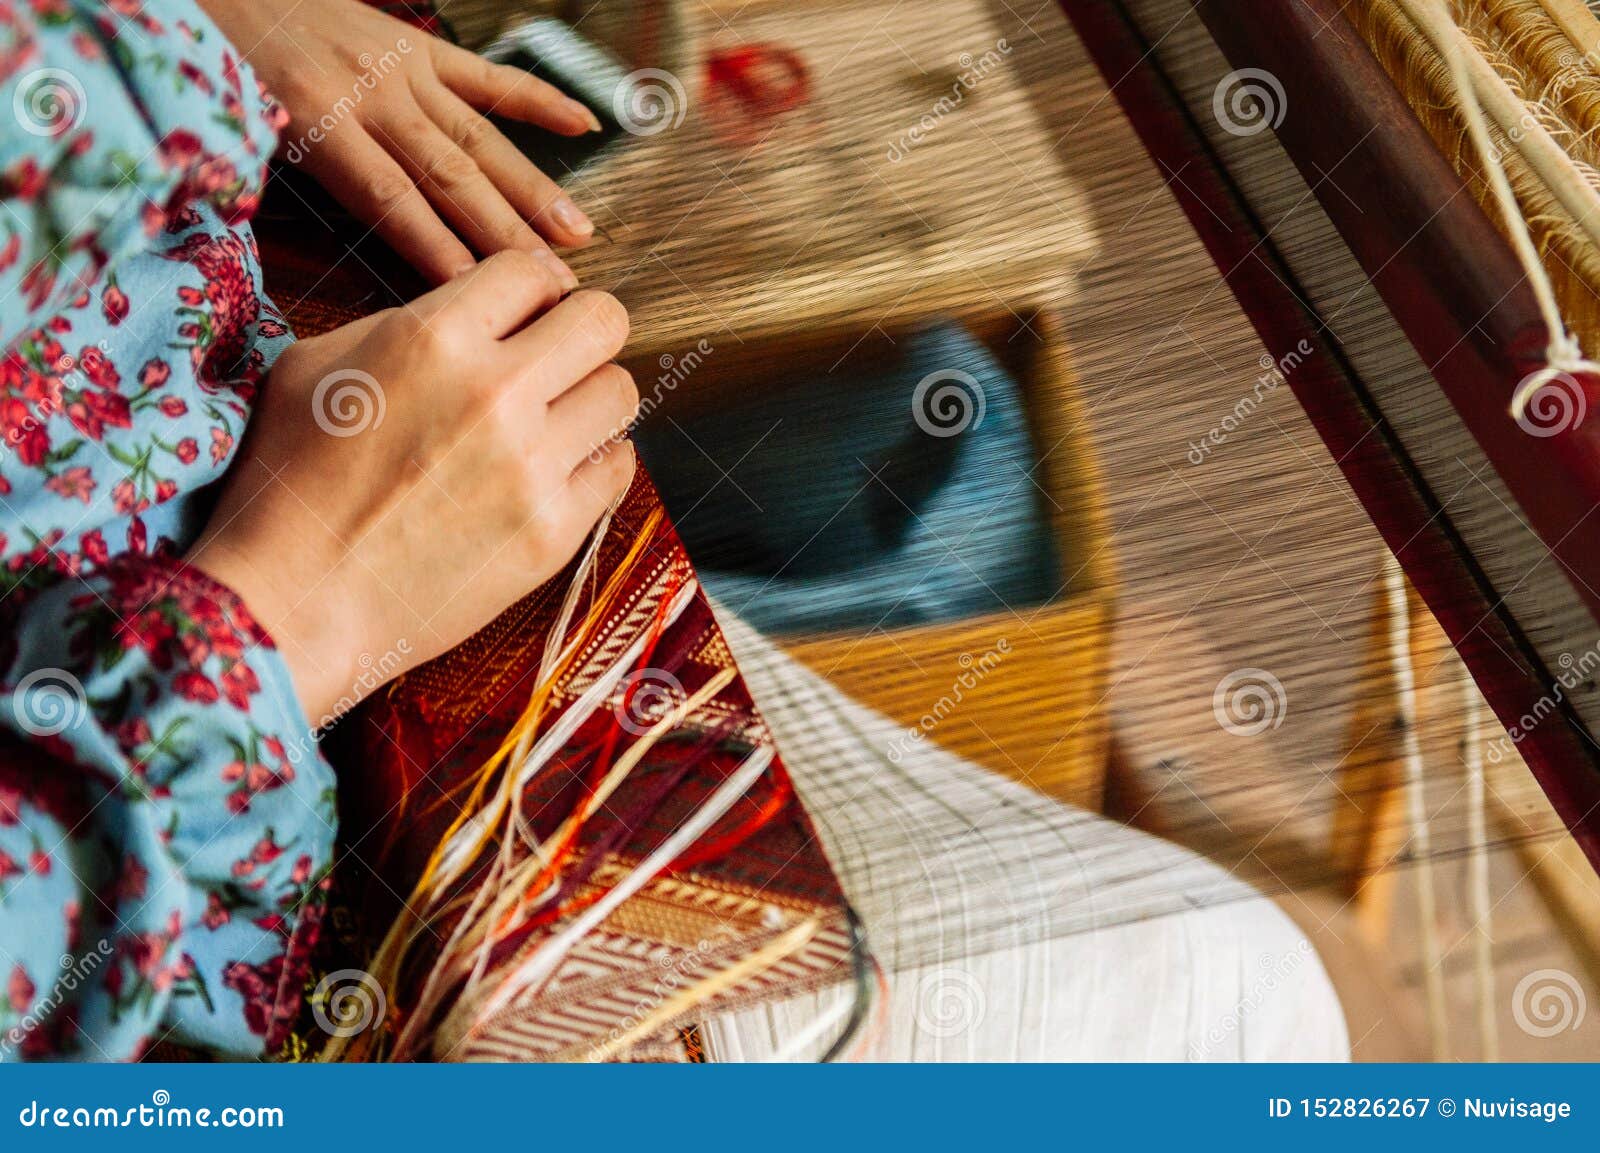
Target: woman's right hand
x=408, y=476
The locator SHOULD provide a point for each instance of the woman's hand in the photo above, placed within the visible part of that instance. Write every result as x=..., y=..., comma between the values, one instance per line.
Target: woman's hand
x=408, y=476
x=389, y=120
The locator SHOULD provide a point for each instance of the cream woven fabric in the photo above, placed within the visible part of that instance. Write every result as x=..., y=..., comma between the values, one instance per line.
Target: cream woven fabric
x=1014, y=928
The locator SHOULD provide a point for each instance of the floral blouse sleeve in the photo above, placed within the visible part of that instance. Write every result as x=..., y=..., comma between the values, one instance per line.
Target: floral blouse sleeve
x=166, y=822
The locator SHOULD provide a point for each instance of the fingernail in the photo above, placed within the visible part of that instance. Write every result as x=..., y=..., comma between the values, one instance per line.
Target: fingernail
x=463, y=268
x=583, y=112
x=571, y=217
x=561, y=270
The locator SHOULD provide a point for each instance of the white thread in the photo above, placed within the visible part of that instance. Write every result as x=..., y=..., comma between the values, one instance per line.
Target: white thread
x=531, y=974
x=1563, y=355
x=802, y=1041
x=1416, y=804
x=472, y=931
x=1478, y=872
x=462, y=847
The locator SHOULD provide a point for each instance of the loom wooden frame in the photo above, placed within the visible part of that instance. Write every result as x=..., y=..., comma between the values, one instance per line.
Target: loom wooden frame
x=1452, y=284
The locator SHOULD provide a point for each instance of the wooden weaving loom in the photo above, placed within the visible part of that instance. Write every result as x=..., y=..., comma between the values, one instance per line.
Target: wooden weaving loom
x=1340, y=196
x=1348, y=233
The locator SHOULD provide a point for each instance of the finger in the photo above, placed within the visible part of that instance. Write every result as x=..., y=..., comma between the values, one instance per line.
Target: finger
x=534, y=195
x=499, y=295
x=510, y=92
x=591, y=416
x=570, y=341
x=599, y=482
x=378, y=193
x=452, y=182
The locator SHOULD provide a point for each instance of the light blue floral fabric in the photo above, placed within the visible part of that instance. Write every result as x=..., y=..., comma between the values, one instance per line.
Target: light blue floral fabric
x=166, y=823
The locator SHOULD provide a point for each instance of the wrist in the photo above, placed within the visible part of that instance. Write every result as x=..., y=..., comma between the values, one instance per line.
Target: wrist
x=240, y=22
x=315, y=643
x=221, y=12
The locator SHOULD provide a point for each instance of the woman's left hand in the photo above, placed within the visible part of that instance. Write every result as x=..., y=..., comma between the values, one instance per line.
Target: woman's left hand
x=390, y=120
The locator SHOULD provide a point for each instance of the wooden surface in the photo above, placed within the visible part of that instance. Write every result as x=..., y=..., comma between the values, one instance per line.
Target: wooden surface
x=1260, y=556
x=1040, y=714
x=1479, y=376
x=733, y=231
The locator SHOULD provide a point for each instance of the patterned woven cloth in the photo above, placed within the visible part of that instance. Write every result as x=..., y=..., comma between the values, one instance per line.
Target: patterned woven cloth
x=755, y=885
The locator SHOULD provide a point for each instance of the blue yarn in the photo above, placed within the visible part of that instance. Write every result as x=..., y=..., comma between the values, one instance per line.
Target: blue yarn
x=840, y=511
